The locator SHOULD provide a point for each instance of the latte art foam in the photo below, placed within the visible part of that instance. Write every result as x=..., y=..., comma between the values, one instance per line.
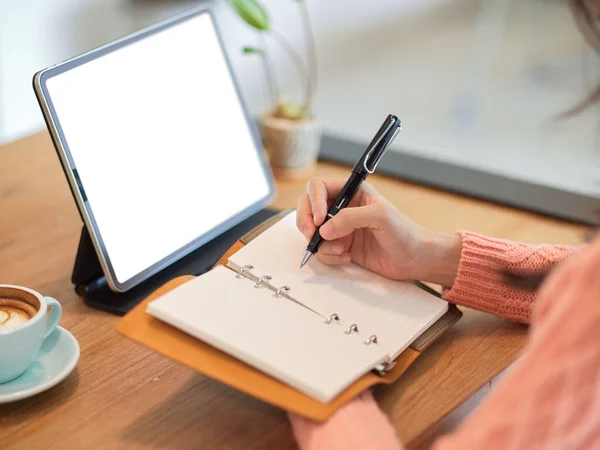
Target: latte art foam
x=14, y=313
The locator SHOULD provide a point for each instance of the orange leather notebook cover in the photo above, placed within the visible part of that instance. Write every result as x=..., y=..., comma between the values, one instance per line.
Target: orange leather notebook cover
x=185, y=349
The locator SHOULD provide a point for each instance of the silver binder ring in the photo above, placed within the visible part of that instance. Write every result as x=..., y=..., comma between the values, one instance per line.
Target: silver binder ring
x=352, y=329
x=371, y=340
x=331, y=318
x=282, y=288
x=261, y=280
x=241, y=271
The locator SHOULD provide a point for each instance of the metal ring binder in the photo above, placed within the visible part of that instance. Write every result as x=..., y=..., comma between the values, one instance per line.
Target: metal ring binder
x=282, y=288
x=351, y=328
x=283, y=292
x=261, y=280
x=332, y=317
x=372, y=340
x=241, y=271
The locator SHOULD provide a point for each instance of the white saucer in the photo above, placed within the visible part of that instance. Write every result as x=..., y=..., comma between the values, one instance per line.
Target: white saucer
x=57, y=358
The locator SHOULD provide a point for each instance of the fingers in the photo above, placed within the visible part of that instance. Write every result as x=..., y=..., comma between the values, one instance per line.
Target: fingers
x=318, y=195
x=304, y=217
x=304, y=222
x=350, y=219
x=334, y=260
x=335, y=248
x=320, y=191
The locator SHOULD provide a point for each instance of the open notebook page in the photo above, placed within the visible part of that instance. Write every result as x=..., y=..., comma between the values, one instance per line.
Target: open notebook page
x=396, y=312
x=275, y=336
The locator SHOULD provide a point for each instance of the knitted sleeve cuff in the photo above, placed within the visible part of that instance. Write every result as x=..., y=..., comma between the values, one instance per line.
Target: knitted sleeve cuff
x=479, y=283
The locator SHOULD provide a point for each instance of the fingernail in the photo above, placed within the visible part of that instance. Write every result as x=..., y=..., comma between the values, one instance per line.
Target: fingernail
x=314, y=212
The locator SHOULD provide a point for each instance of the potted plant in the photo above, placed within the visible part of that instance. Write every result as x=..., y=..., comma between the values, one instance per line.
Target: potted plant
x=291, y=133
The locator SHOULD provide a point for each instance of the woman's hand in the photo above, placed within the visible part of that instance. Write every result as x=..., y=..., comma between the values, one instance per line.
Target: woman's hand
x=358, y=424
x=372, y=233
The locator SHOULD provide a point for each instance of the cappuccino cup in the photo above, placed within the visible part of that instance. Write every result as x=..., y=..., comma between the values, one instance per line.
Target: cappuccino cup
x=26, y=319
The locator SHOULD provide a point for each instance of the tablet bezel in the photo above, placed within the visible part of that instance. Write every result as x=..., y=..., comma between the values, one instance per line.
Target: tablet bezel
x=77, y=188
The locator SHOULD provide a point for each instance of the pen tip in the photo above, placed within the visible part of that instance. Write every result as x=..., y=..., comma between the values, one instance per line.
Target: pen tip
x=305, y=258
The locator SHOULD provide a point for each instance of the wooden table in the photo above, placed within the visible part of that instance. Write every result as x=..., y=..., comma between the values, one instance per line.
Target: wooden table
x=123, y=396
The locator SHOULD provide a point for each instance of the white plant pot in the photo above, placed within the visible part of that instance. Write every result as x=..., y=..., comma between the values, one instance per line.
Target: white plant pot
x=291, y=145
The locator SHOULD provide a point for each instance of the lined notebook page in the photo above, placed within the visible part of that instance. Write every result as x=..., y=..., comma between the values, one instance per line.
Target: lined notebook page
x=277, y=337
x=396, y=312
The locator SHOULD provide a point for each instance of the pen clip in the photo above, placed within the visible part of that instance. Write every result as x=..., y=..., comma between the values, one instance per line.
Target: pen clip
x=376, y=143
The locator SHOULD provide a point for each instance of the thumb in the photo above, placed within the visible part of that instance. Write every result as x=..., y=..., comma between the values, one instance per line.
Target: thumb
x=350, y=219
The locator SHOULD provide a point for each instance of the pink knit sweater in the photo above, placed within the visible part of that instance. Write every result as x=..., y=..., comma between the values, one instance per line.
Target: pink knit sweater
x=550, y=398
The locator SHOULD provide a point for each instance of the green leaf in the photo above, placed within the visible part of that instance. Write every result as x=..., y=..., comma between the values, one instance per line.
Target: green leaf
x=251, y=50
x=251, y=12
x=289, y=110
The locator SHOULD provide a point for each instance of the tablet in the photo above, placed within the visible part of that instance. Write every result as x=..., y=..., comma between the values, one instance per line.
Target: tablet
x=156, y=143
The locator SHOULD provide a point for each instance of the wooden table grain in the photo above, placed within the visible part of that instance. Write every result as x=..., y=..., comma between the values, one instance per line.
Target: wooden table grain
x=124, y=396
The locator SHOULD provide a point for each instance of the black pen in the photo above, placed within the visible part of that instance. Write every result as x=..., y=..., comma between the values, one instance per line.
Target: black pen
x=365, y=166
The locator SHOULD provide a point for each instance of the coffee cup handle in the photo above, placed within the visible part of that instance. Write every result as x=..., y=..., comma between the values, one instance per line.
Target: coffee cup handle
x=53, y=317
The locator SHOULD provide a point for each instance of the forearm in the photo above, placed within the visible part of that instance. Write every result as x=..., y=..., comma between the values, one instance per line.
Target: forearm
x=479, y=274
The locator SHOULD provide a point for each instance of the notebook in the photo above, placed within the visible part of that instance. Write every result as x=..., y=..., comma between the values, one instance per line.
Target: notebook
x=317, y=329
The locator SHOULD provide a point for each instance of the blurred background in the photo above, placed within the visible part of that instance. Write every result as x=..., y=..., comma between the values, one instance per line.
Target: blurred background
x=478, y=84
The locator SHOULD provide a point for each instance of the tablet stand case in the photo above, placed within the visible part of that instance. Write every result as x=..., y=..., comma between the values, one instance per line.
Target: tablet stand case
x=186, y=349
x=90, y=282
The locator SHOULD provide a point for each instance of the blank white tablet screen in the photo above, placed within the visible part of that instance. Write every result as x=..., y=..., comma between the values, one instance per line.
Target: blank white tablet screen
x=160, y=141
